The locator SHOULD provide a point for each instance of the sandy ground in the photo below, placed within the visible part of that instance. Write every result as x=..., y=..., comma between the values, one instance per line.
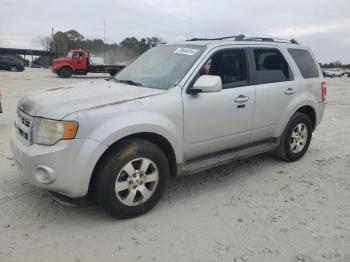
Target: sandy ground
x=260, y=209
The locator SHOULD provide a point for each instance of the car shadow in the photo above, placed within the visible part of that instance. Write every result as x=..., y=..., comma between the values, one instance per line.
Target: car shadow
x=180, y=189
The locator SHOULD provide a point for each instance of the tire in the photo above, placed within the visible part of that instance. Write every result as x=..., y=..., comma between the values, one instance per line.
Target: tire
x=292, y=149
x=113, y=72
x=65, y=72
x=14, y=69
x=129, y=194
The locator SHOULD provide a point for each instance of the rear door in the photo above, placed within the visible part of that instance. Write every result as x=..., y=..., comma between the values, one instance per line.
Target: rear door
x=309, y=70
x=275, y=89
x=4, y=63
x=220, y=120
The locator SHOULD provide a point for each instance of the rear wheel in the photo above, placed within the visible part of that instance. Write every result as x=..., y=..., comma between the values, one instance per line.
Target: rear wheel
x=131, y=178
x=65, y=72
x=296, y=138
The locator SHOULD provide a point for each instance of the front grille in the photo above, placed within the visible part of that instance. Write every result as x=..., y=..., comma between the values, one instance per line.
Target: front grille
x=23, y=126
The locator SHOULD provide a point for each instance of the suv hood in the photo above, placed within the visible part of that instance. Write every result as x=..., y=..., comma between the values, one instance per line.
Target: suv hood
x=58, y=102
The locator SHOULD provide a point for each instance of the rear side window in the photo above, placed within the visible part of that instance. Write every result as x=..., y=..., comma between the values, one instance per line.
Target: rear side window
x=305, y=62
x=271, y=66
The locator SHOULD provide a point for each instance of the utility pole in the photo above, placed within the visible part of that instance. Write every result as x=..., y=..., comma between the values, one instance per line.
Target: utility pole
x=104, y=41
x=53, y=40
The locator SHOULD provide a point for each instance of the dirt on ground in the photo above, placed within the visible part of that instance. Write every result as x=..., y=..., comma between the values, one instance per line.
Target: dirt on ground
x=259, y=209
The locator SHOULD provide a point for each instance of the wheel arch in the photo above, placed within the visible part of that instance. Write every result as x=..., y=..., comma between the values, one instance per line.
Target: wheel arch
x=155, y=138
x=68, y=66
x=310, y=112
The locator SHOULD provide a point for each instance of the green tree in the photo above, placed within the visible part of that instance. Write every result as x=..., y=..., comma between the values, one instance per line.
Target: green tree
x=61, y=42
x=127, y=50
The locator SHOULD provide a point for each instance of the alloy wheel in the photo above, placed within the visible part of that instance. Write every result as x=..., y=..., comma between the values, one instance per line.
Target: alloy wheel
x=298, y=138
x=137, y=181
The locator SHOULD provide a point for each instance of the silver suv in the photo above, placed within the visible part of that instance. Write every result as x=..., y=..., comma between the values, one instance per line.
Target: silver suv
x=178, y=109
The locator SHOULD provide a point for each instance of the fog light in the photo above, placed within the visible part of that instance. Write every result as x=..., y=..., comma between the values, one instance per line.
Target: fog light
x=45, y=174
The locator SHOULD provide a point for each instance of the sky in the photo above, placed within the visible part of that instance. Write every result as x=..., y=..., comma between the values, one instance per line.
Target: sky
x=322, y=25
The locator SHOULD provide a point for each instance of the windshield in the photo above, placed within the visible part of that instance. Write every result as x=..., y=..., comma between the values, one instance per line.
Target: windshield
x=69, y=55
x=162, y=66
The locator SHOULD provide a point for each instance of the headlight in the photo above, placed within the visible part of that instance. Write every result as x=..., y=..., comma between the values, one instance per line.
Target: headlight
x=49, y=132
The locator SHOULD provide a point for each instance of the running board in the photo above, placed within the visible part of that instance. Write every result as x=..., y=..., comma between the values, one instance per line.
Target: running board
x=202, y=164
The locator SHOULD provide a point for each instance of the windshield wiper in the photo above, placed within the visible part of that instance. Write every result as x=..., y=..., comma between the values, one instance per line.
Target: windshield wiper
x=129, y=82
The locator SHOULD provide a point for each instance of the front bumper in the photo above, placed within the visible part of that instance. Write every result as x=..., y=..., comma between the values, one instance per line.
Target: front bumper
x=71, y=163
x=55, y=70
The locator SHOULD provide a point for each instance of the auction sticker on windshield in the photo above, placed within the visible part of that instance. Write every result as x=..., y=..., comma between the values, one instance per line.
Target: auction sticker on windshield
x=185, y=51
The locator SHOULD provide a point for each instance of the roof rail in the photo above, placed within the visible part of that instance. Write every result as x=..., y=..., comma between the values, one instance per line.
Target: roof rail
x=244, y=38
x=271, y=39
x=215, y=39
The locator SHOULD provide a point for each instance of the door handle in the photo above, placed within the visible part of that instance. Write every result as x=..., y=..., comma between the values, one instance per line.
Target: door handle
x=289, y=91
x=241, y=98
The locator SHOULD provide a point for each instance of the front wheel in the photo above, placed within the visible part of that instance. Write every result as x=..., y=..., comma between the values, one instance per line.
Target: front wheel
x=131, y=178
x=296, y=138
x=65, y=72
x=112, y=72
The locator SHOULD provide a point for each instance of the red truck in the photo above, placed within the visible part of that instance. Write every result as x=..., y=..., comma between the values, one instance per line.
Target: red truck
x=78, y=62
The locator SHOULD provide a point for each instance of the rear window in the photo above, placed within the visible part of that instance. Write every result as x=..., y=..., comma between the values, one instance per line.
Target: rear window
x=305, y=62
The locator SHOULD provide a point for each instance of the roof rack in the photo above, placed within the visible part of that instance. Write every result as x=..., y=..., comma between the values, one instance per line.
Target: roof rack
x=244, y=38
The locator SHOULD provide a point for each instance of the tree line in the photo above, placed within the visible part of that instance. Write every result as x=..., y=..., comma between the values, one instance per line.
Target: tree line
x=127, y=50
x=335, y=64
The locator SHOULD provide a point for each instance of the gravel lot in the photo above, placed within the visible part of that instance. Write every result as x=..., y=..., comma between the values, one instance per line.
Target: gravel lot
x=260, y=209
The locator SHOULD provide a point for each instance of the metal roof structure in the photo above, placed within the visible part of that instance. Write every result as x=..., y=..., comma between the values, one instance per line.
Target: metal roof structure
x=32, y=52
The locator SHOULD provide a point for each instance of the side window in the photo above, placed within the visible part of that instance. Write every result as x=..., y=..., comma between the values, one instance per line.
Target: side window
x=75, y=55
x=305, y=62
x=271, y=66
x=230, y=65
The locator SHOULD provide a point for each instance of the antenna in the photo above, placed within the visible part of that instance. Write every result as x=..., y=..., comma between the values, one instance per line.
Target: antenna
x=53, y=39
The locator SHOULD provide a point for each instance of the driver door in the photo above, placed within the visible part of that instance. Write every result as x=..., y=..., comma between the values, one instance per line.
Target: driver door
x=220, y=120
x=78, y=60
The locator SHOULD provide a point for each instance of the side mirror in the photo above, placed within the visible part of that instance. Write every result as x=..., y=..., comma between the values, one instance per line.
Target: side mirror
x=206, y=84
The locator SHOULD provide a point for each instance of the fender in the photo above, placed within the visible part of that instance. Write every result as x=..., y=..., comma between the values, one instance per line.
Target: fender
x=65, y=65
x=298, y=102
x=130, y=123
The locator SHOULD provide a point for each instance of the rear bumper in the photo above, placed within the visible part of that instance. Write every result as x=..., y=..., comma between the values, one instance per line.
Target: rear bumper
x=69, y=164
x=320, y=112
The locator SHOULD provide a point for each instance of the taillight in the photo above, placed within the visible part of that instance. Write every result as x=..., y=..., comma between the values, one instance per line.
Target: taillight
x=324, y=91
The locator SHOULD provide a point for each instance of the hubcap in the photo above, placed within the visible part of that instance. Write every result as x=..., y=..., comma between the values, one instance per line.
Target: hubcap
x=136, y=181
x=299, y=138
